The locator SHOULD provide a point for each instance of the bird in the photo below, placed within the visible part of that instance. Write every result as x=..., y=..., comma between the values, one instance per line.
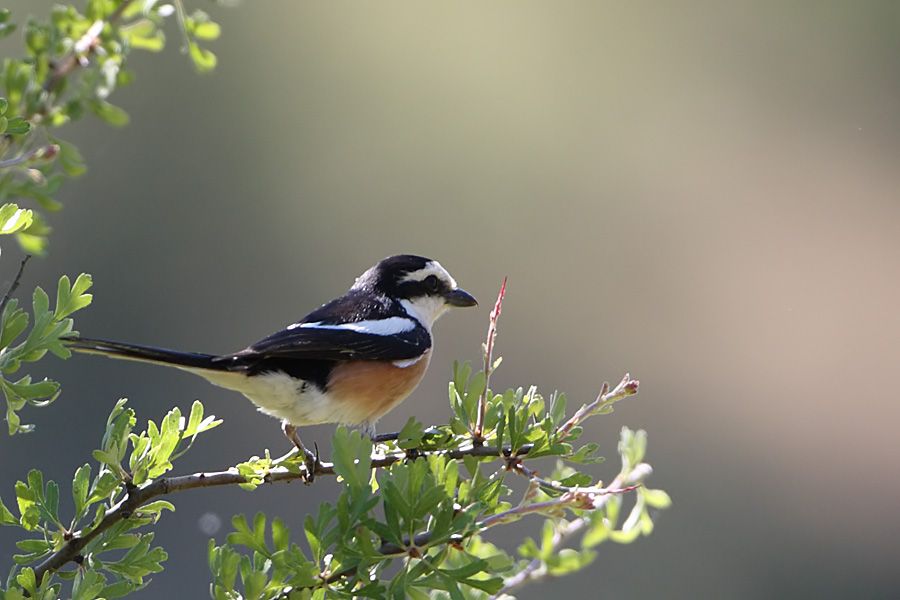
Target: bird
x=350, y=361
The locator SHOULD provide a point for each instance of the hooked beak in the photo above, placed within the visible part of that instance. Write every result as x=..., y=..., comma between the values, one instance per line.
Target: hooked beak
x=460, y=297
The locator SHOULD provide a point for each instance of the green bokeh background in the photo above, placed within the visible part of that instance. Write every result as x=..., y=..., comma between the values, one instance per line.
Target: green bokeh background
x=704, y=194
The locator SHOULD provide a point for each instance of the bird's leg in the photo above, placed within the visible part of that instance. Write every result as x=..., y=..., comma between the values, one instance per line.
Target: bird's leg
x=367, y=428
x=311, y=460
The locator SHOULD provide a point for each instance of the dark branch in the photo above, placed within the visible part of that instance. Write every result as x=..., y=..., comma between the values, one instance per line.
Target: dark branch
x=138, y=497
x=14, y=285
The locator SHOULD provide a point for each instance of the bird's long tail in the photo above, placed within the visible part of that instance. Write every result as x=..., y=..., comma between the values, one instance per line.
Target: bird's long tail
x=149, y=354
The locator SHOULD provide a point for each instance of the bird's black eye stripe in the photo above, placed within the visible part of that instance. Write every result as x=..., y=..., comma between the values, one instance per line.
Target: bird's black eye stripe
x=432, y=283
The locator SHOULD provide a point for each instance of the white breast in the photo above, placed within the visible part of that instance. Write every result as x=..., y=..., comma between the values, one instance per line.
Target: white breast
x=281, y=396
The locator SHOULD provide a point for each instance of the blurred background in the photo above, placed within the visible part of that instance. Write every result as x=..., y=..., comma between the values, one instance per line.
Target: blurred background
x=704, y=195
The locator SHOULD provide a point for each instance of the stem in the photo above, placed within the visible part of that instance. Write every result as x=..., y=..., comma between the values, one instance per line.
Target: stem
x=41, y=152
x=14, y=285
x=478, y=434
x=574, y=500
x=606, y=397
x=556, y=486
x=534, y=570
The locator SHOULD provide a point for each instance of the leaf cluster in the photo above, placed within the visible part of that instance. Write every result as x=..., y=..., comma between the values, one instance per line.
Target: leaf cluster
x=114, y=557
x=48, y=327
x=416, y=527
x=72, y=64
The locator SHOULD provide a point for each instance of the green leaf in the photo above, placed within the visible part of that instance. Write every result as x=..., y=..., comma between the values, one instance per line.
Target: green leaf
x=491, y=586
x=13, y=219
x=597, y=534
x=14, y=324
x=658, y=499
x=88, y=585
x=80, y=487
x=207, y=31
x=6, y=517
x=204, y=60
x=33, y=239
x=40, y=305
x=17, y=126
x=281, y=535
x=144, y=35
x=352, y=457
x=558, y=408
x=411, y=434
x=254, y=538
x=70, y=159
x=568, y=561
x=197, y=424
x=27, y=580
x=110, y=113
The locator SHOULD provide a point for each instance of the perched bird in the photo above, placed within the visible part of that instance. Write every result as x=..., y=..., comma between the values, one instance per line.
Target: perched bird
x=349, y=361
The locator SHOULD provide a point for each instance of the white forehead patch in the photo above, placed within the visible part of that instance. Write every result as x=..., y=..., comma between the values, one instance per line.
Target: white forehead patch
x=432, y=268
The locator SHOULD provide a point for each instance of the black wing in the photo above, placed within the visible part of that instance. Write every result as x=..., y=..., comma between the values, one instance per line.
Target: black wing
x=310, y=352
x=341, y=344
x=355, y=306
x=327, y=333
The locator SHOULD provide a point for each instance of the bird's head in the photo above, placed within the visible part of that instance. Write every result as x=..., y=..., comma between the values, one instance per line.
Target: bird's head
x=424, y=288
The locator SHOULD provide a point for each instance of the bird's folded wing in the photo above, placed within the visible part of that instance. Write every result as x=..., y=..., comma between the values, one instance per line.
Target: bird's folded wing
x=323, y=342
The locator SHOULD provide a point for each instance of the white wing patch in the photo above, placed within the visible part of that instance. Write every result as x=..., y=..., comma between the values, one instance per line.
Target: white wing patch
x=389, y=326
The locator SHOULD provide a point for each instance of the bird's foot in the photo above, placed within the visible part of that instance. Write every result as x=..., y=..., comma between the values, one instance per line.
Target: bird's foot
x=310, y=460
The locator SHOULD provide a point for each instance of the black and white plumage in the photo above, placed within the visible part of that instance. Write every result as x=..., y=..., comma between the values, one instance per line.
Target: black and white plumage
x=349, y=361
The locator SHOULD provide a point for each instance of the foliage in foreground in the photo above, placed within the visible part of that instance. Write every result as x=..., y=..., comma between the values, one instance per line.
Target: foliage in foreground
x=73, y=63
x=416, y=525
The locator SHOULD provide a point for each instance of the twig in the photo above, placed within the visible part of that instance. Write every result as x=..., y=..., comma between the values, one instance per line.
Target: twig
x=41, y=152
x=518, y=467
x=181, y=17
x=83, y=47
x=606, y=397
x=14, y=285
x=137, y=497
x=478, y=434
x=533, y=571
